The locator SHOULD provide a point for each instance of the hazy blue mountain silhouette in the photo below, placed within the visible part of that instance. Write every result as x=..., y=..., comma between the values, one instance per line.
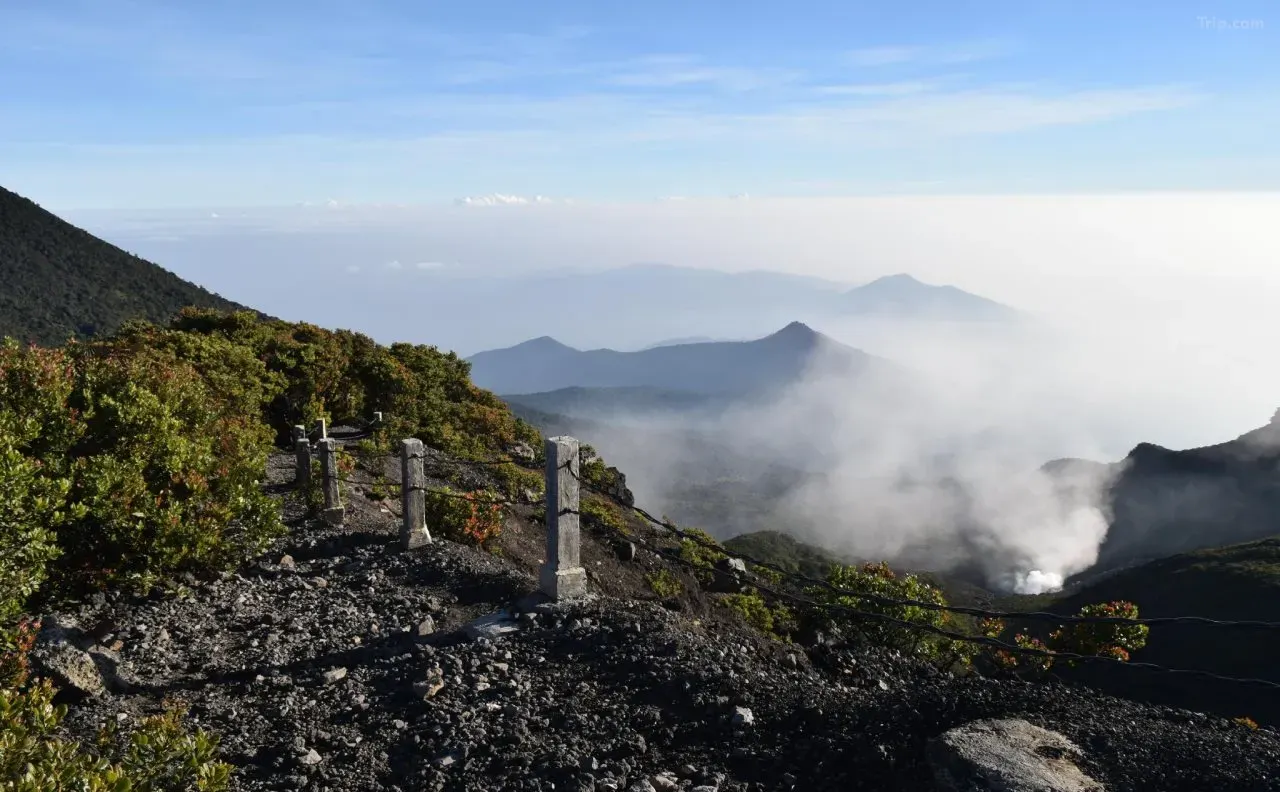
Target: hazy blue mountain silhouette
x=626, y=308
x=902, y=296
x=716, y=368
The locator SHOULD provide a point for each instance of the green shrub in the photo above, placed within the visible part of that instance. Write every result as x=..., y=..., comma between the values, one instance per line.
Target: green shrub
x=341, y=375
x=879, y=580
x=665, y=584
x=752, y=608
x=120, y=464
x=595, y=511
x=694, y=550
x=168, y=473
x=466, y=517
x=1114, y=640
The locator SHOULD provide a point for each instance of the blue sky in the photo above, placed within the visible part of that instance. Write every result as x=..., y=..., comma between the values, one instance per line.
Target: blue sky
x=147, y=104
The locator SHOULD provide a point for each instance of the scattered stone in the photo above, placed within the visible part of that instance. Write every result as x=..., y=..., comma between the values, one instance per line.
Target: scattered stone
x=633, y=691
x=1008, y=755
x=429, y=687
x=426, y=627
x=335, y=675
x=71, y=668
x=492, y=626
x=287, y=563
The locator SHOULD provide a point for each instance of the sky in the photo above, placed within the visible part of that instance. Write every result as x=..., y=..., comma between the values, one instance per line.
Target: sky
x=141, y=104
x=1111, y=168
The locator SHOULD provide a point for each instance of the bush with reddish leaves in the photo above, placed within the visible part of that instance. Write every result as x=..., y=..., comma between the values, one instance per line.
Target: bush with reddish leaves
x=470, y=517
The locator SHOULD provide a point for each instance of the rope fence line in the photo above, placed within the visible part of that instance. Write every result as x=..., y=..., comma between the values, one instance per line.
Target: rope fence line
x=809, y=581
x=976, y=612
x=955, y=636
x=804, y=582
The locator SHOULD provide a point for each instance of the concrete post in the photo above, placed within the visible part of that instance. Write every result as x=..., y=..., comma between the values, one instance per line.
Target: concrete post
x=299, y=433
x=324, y=429
x=562, y=576
x=413, y=500
x=302, y=463
x=333, y=511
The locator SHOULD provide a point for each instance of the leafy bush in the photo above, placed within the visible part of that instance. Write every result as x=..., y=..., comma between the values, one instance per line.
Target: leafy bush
x=879, y=580
x=753, y=609
x=599, y=476
x=595, y=511
x=695, y=550
x=665, y=584
x=340, y=376
x=15, y=645
x=122, y=465
x=467, y=517
x=1105, y=640
x=1113, y=640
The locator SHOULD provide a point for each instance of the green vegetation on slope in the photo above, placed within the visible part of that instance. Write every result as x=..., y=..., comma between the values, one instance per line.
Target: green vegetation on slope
x=786, y=552
x=127, y=460
x=61, y=282
x=130, y=459
x=1235, y=583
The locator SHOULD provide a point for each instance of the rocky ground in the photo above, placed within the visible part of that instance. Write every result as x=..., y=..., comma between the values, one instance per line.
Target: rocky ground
x=337, y=662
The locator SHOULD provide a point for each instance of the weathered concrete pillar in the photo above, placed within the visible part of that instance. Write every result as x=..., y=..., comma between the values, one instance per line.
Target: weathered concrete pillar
x=413, y=500
x=562, y=575
x=324, y=429
x=333, y=510
x=302, y=461
x=299, y=433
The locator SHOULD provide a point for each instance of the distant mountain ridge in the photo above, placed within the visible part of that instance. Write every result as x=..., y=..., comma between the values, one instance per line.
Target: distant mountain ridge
x=714, y=368
x=628, y=307
x=61, y=282
x=1164, y=502
x=902, y=296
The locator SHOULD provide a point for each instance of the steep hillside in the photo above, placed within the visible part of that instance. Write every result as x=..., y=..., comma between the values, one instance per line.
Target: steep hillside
x=723, y=368
x=1239, y=582
x=61, y=282
x=785, y=551
x=1165, y=501
x=336, y=660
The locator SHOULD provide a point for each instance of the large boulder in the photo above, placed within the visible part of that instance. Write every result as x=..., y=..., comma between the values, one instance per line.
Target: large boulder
x=58, y=655
x=78, y=666
x=1006, y=755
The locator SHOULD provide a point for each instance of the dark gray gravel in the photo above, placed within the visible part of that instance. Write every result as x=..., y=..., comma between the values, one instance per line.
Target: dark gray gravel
x=343, y=667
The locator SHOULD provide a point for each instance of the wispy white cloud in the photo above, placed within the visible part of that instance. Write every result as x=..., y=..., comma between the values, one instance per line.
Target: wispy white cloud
x=669, y=71
x=883, y=56
x=874, y=89
x=934, y=55
x=503, y=199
